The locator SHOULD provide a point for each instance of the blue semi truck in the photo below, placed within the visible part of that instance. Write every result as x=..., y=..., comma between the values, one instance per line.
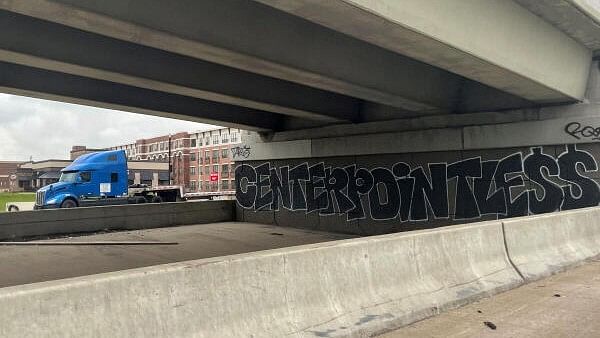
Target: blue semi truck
x=100, y=178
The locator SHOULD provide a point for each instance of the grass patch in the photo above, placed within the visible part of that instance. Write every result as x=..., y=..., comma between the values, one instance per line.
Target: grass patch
x=15, y=197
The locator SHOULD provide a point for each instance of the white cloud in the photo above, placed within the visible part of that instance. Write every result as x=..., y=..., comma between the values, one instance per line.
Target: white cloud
x=46, y=129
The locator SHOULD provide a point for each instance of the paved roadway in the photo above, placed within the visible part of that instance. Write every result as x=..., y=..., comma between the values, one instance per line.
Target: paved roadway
x=29, y=264
x=564, y=305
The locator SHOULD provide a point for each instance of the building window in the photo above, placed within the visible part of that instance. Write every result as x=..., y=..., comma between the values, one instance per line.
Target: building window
x=225, y=138
x=215, y=154
x=215, y=139
x=207, y=141
x=192, y=156
x=199, y=142
x=193, y=185
x=234, y=137
x=193, y=143
x=215, y=168
x=207, y=155
x=192, y=170
x=225, y=170
x=225, y=185
x=225, y=153
x=207, y=170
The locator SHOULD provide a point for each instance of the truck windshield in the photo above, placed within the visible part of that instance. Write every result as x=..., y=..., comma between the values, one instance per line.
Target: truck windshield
x=68, y=177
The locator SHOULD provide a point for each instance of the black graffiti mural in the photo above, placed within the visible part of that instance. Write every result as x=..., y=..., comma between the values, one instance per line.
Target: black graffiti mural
x=516, y=185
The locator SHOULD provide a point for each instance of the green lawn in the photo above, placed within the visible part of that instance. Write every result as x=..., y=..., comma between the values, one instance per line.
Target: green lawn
x=15, y=197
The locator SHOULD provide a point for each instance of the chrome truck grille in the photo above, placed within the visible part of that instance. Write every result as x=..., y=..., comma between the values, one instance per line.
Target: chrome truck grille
x=40, y=197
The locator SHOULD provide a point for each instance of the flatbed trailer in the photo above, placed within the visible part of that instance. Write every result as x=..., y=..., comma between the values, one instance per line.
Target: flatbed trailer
x=212, y=195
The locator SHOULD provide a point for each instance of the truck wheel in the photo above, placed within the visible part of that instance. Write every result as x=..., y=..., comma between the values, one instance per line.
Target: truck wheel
x=140, y=200
x=68, y=203
x=157, y=199
x=13, y=208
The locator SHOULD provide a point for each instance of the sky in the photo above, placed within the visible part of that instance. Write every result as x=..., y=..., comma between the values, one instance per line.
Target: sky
x=42, y=129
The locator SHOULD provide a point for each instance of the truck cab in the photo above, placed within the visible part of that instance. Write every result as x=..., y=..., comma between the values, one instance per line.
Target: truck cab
x=93, y=176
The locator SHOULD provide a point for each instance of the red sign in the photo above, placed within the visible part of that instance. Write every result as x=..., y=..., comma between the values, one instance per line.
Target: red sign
x=214, y=177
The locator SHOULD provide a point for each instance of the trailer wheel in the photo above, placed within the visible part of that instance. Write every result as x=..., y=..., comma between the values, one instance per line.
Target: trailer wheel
x=157, y=199
x=140, y=200
x=13, y=208
x=68, y=203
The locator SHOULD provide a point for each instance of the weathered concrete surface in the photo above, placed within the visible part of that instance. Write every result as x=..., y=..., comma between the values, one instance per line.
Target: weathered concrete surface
x=23, y=265
x=532, y=310
x=468, y=37
x=117, y=217
x=355, y=287
x=313, y=65
x=543, y=245
x=578, y=18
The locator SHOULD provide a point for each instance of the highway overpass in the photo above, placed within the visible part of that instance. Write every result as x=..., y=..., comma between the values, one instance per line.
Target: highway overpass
x=373, y=117
x=277, y=65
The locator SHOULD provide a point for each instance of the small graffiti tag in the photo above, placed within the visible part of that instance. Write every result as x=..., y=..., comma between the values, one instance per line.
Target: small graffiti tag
x=240, y=152
x=579, y=131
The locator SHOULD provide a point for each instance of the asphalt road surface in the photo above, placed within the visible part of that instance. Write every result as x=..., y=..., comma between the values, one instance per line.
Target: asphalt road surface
x=30, y=264
x=564, y=305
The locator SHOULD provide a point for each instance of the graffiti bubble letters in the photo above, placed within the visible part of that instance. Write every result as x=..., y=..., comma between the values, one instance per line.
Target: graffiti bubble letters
x=578, y=131
x=516, y=185
x=240, y=152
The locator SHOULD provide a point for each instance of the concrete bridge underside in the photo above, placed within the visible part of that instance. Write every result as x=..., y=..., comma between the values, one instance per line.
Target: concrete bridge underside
x=279, y=65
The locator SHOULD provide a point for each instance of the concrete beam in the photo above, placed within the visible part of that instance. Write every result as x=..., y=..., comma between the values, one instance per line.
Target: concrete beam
x=496, y=42
x=580, y=19
x=260, y=39
x=551, y=126
x=28, y=81
x=41, y=44
x=357, y=145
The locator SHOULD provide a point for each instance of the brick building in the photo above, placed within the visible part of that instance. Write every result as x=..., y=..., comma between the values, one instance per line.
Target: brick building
x=211, y=164
x=200, y=161
x=77, y=151
x=7, y=168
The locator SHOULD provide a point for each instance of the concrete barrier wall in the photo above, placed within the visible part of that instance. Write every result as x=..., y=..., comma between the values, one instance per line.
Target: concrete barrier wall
x=543, y=245
x=341, y=288
x=141, y=216
x=354, y=287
